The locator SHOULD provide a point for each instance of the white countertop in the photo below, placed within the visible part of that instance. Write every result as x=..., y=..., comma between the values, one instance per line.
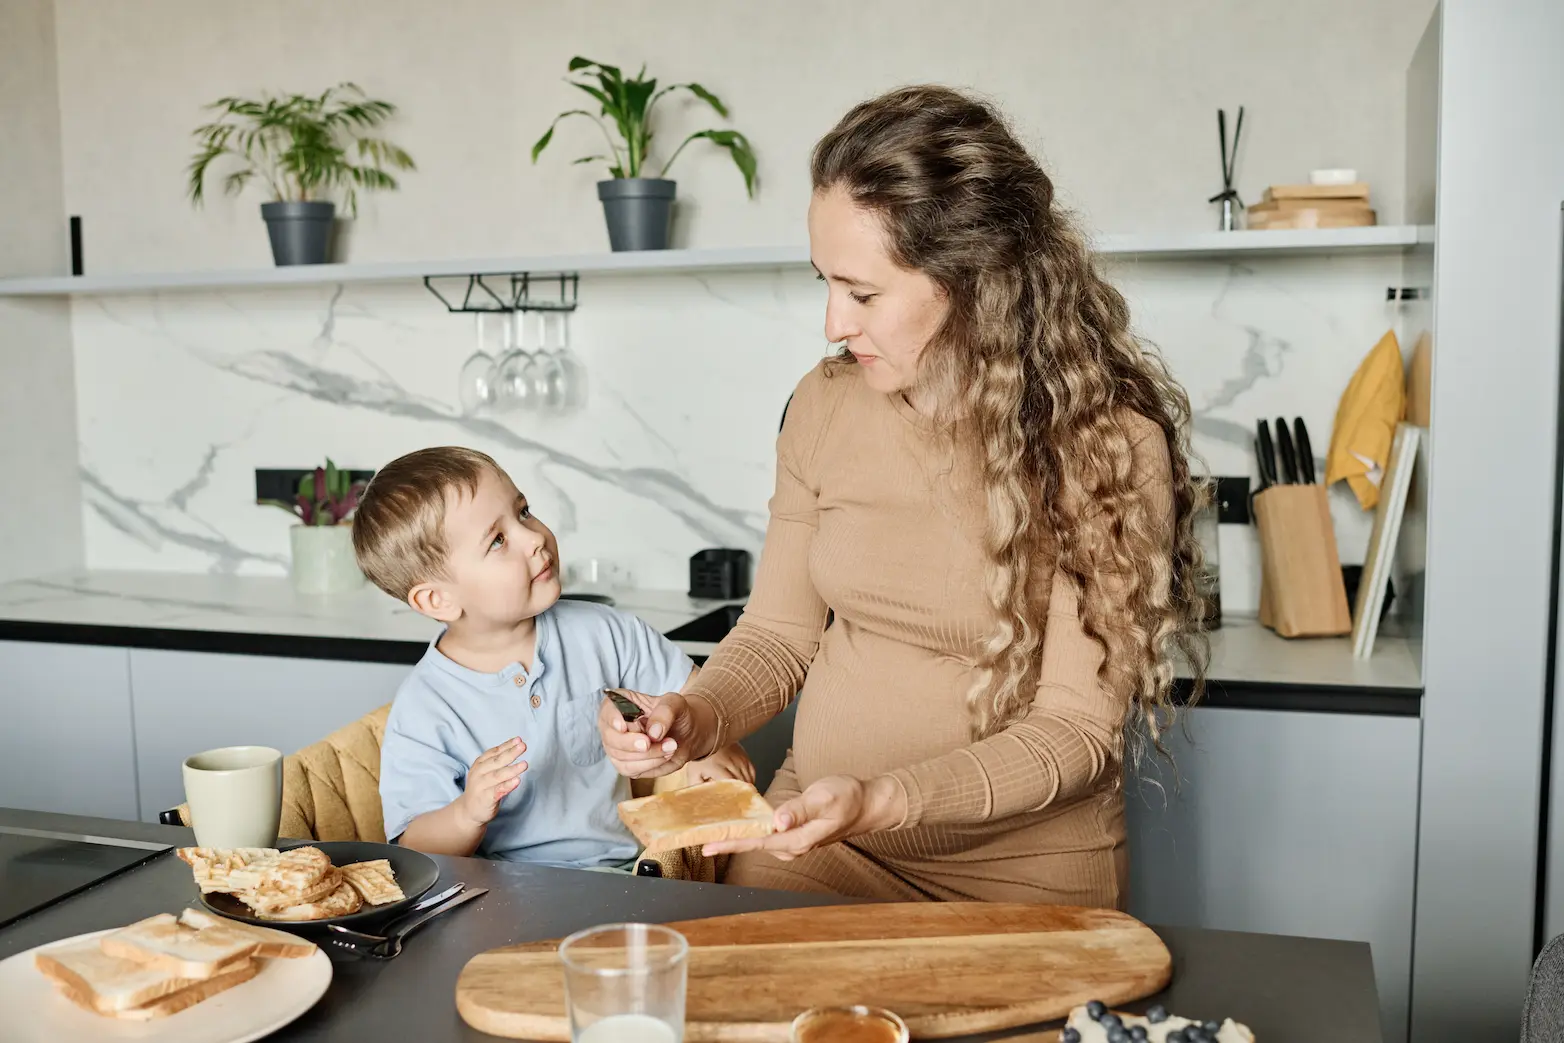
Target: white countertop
x=1241, y=650
x=265, y=605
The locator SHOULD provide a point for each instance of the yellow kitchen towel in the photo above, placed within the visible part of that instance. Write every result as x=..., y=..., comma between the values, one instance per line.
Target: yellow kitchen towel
x=1366, y=419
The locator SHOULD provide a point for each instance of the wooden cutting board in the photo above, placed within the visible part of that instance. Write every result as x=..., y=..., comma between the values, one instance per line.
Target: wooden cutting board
x=947, y=968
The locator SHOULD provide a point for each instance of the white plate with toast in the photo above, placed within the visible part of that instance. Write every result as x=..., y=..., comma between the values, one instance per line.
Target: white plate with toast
x=353, y=883
x=196, y=979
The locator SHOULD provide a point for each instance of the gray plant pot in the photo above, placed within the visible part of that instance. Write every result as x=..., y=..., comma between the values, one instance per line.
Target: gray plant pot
x=300, y=232
x=639, y=212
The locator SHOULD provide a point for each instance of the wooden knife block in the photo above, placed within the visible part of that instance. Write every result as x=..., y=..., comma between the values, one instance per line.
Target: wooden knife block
x=1301, y=589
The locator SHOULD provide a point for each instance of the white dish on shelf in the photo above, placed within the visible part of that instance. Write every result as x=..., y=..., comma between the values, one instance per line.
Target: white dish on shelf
x=1334, y=176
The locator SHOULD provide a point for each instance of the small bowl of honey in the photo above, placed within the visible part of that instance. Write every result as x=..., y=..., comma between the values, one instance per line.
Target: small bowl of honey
x=848, y=1025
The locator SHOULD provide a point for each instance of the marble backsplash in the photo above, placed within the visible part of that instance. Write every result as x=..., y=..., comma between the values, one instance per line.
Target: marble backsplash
x=180, y=396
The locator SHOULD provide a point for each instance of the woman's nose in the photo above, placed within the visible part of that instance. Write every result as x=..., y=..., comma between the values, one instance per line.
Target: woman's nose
x=839, y=326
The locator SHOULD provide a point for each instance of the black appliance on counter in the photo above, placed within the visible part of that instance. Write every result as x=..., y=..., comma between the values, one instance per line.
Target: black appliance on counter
x=720, y=574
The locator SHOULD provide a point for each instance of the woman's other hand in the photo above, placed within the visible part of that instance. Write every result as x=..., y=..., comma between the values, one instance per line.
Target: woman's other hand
x=662, y=740
x=835, y=808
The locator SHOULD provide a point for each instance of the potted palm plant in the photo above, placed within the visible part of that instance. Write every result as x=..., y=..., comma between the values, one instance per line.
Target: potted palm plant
x=301, y=147
x=322, y=541
x=638, y=207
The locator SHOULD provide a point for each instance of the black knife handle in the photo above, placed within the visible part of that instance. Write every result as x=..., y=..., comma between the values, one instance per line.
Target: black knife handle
x=1267, y=455
x=1305, y=452
x=1284, y=449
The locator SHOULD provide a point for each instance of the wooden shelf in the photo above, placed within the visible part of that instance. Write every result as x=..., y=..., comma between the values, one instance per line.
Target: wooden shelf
x=1205, y=245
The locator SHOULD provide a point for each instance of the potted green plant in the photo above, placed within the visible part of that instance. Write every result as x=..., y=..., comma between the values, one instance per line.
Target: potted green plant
x=639, y=209
x=302, y=147
x=322, y=542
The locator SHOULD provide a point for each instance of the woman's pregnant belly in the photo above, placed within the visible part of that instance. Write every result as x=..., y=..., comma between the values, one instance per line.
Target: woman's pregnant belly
x=872, y=703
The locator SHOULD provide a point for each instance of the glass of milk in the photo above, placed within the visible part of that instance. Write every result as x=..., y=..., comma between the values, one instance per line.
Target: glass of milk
x=624, y=983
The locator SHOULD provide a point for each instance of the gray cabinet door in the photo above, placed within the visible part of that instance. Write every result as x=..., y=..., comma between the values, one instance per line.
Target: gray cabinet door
x=187, y=702
x=65, y=742
x=1285, y=823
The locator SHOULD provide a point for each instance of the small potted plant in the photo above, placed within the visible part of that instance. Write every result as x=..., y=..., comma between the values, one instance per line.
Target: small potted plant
x=322, y=542
x=639, y=208
x=302, y=147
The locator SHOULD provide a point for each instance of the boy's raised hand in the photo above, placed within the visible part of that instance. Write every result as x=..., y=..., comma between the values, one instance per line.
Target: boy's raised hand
x=495, y=774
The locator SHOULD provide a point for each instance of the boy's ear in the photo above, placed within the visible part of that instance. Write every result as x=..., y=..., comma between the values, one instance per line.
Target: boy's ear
x=434, y=601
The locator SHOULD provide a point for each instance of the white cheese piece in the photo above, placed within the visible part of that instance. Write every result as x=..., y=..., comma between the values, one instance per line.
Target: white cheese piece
x=1091, y=1032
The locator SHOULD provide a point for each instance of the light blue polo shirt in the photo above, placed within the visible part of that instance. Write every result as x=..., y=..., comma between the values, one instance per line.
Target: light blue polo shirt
x=564, y=812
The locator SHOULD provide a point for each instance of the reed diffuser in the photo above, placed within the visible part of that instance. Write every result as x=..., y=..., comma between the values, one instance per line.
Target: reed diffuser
x=1228, y=197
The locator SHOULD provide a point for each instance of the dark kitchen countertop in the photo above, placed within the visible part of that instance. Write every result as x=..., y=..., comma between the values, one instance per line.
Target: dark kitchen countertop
x=1288, y=990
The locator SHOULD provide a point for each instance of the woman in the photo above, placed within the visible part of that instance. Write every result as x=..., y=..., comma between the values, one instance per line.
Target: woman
x=990, y=487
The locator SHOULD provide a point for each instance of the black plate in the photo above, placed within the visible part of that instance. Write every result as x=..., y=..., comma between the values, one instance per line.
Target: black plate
x=415, y=874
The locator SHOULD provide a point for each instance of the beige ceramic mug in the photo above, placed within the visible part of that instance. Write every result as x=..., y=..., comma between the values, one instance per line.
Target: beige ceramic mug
x=235, y=796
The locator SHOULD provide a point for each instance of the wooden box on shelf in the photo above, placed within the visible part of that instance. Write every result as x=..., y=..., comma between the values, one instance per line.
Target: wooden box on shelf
x=1313, y=206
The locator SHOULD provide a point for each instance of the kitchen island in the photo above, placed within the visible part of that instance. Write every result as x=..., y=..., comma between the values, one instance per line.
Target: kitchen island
x=1288, y=990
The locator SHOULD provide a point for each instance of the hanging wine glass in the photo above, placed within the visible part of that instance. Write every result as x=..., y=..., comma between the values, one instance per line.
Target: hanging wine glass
x=573, y=370
x=549, y=382
x=512, y=381
x=473, y=387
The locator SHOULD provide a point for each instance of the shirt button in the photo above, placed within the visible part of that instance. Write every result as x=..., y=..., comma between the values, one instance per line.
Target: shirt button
x=520, y=679
x=537, y=701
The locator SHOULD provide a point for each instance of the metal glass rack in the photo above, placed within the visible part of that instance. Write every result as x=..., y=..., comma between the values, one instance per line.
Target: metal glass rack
x=527, y=291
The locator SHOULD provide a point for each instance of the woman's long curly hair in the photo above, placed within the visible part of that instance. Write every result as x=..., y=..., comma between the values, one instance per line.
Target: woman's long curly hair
x=1036, y=361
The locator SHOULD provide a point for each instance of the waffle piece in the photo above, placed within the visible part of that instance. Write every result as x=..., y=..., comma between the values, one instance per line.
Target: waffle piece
x=374, y=881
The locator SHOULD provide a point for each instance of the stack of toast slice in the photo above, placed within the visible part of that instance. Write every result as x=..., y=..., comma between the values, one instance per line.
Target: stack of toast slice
x=163, y=964
x=296, y=885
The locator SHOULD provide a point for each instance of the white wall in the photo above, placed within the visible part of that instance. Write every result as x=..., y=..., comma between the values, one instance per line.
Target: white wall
x=40, y=525
x=183, y=395
x=675, y=450
x=1119, y=96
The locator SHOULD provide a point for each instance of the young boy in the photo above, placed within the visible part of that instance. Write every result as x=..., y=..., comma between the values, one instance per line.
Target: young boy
x=492, y=744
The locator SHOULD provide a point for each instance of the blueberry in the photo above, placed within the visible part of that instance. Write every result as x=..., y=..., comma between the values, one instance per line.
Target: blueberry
x=1212, y=1028
x=1096, y=1009
x=1110, y=1021
x=1158, y=1014
x=1116, y=1034
x=1138, y=1033
x=1177, y=1036
x=1069, y=1035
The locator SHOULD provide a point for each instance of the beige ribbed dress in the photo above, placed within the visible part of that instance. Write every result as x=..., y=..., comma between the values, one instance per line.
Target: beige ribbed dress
x=871, y=518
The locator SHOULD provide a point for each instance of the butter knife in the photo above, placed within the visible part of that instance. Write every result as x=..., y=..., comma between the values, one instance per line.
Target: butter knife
x=428, y=900
x=389, y=946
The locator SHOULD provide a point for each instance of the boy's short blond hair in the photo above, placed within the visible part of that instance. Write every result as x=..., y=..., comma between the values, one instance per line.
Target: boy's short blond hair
x=399, y=526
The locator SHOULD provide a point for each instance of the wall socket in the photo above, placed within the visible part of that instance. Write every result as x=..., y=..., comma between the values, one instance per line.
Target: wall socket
x=282, y=483
x=1232, y=501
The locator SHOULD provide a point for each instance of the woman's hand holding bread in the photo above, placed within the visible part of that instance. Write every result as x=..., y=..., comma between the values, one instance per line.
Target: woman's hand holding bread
x=835, y=808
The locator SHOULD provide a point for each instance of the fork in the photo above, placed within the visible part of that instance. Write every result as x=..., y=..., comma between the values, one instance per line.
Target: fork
x=356, y=941
x=389, y=945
